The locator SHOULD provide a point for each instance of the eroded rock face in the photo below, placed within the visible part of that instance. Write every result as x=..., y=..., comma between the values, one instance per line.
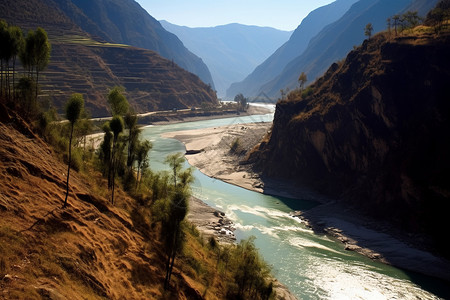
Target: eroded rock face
x=375, y=131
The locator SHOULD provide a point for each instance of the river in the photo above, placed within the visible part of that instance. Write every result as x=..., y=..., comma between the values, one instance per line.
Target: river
x=312, y=266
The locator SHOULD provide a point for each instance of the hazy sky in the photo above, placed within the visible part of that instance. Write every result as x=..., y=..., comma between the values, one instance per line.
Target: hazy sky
x=281, y=14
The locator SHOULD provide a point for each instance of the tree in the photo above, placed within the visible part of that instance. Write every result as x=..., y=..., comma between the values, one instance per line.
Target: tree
x=410, y=19
x=389, y=25
x=26, y=87
x=241, y=102
x=105, y=150
x=177, y=211
x=133, y=137
x=172, y=227
x=142, y=150
x=302, y=79
x=41, y=53
x=116, y=125
x=251, y=272
x=35, y=55
x=117, y=101
x=17, y=45
x=175, y=162
x=5, y=54
x=368, y=30
x=436, y=18
x=74, y=109
x=396, y=23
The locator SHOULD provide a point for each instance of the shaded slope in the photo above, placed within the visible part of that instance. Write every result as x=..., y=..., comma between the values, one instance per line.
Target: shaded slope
x=230, y=51
x=126, y=22
x=80, y=64
x=271, y=67
x=375, y=132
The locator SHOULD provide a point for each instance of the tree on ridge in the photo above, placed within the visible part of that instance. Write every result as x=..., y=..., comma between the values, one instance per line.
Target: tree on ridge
x=368, y=30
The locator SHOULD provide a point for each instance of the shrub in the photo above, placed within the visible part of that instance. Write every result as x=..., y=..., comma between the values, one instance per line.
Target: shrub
x=235, y=145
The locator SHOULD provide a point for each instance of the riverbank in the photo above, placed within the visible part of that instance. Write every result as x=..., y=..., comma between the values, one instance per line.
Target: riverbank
x=210, y=222
x=173, y=117
x=209, y=151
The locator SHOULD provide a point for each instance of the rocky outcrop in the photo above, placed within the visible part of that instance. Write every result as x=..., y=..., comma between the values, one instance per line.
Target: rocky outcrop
x=374, y=132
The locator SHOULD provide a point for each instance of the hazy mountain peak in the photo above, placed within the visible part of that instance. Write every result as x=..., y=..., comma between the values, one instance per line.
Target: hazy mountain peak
x=230, y=51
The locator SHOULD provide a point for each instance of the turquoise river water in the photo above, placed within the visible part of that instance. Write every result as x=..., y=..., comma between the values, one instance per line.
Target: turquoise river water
x=312, y=266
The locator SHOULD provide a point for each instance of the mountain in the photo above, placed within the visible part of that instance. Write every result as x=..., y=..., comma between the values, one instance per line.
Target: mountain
x=373, y=132
x=126, y=22
x=79, y=63
x=335, y=40
x=271, y=67
x=230, y=51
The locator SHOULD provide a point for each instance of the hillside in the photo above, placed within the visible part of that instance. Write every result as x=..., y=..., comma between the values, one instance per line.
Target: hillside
x=126, y=22
x=81, y=64
x=230, y=51
x=374, y=132
x=337, y=39
x=90, y=250
x=310, y=26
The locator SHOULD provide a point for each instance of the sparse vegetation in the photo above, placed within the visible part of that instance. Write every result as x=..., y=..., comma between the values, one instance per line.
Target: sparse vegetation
x=368, y=30
x=439, y=16
x=302, y=79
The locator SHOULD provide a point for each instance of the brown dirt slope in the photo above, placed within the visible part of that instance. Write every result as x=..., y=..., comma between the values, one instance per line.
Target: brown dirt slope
x=90, y=250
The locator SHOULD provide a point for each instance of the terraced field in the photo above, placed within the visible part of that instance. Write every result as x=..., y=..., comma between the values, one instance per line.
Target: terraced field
x=82, y=65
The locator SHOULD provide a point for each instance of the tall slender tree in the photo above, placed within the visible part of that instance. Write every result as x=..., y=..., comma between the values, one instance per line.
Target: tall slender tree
x=117, y=101
x=142, y=150
x=175, y=162
x=74, y=109
x=41, y=55
x=116, y=126
x=17, y=45
x=133, y=137
x=302, y=79
x=5, y=54
x=368, y=30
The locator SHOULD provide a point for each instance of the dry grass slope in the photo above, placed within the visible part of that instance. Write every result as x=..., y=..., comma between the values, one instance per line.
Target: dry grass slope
x=90, y=250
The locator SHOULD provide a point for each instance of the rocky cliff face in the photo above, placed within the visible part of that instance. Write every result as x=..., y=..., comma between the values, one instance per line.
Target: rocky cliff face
x=374, y=131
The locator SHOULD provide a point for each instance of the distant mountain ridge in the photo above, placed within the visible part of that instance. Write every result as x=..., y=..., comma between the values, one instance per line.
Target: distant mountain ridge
x=334, y=41
x=299, y=40
x=126, y=22
x=230, y=51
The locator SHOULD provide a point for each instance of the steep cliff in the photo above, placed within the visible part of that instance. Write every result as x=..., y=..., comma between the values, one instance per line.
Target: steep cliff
x=374, y=131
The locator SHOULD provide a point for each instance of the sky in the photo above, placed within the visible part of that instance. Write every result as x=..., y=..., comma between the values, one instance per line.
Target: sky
x=280, y=14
